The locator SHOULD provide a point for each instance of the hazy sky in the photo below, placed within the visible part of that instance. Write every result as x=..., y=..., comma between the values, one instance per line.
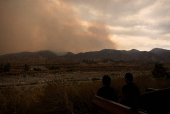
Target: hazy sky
x=83, y=25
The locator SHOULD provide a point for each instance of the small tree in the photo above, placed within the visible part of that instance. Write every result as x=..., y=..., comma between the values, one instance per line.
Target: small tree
x=54, y=67
x=7, y=67
x=26, y=67
x=159, y=71
x=1, y=68
x=37, y=69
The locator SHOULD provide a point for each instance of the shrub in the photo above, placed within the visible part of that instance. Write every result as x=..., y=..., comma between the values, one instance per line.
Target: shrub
x=26, y=67
x=37, y=69
x=159, y=71
x=7, y=67
x=95, y=79
x=1, y=68
x=54, y=68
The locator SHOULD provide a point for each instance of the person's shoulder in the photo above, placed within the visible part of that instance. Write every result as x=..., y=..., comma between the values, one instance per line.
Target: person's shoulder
x=112, y=88
x=101, y=89
x=128, y=86
x=125, y=86
x=133, y=84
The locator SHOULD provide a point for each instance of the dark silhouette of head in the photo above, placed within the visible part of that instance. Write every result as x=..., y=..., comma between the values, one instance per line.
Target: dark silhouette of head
x=128, y=77
x=106, y=80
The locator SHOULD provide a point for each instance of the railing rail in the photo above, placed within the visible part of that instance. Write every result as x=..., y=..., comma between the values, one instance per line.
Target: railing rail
x=154, y=101
x=104, y=106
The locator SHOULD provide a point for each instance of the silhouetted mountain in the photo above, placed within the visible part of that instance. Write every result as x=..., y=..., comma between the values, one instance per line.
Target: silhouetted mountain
x=143, y=55
x=111, y=54
x=161, y=52
x=104, y=54
x=69, y=54
x=29, y=55
x=118, y=55
x=60, y=53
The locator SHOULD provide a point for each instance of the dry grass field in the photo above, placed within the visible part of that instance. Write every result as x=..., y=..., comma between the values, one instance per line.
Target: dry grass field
x=65, y=92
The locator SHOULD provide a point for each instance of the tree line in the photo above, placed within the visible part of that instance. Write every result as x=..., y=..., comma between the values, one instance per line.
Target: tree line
x=7, y=68
x=159, y=70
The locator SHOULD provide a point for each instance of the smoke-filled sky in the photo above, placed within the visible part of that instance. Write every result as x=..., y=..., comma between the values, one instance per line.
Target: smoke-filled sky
x=83, y=25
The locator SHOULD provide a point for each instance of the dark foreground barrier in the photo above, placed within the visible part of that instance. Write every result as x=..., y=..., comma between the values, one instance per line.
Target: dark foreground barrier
x=104, y=106
x=153, y=102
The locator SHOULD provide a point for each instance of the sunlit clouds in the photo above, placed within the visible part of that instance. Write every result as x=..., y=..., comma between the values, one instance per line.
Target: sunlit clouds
x=134, y=24
x=83, y=25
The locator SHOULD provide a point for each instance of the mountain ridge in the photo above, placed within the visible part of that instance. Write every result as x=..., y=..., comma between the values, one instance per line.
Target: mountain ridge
x=156, y=54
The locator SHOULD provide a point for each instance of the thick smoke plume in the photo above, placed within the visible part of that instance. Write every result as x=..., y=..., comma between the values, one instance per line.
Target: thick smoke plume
x=33, y=25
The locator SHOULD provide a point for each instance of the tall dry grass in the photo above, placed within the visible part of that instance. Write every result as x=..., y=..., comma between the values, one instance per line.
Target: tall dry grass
x=64, y=98
x=17, y=101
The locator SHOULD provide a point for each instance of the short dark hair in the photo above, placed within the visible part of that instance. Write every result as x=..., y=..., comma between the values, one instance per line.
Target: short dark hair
x=129, y=76
x=106, y=80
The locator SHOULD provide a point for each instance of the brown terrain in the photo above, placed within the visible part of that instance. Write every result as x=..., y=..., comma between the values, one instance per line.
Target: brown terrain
x=72, y=79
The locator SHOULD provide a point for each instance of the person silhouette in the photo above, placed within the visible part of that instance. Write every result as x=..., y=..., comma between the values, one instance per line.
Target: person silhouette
x=130, y=91
x=106, y=91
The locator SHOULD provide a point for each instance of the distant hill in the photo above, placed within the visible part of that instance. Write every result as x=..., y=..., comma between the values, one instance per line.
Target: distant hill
x=117, y=55
x=103, y=54
x=143, y=55
x=155, y=54
x=161, y=52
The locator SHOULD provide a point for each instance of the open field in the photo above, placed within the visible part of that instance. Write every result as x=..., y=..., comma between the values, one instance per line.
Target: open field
x=66, y=91
x=41, y=78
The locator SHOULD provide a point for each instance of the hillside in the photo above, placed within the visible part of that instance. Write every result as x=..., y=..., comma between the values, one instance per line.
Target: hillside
x=155, y=54
x=162, y=53
x=118, y=55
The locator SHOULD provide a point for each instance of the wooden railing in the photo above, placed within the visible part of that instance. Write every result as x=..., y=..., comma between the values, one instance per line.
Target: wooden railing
x=153, y=102
x=104, y=106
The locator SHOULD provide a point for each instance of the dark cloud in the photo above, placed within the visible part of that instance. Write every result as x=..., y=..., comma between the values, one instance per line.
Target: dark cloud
x=28, y=25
